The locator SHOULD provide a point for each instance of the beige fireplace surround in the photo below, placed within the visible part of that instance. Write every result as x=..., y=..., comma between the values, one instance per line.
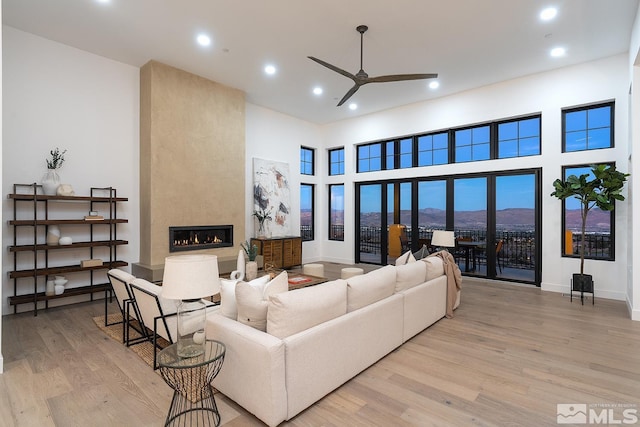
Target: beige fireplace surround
x=192, y=161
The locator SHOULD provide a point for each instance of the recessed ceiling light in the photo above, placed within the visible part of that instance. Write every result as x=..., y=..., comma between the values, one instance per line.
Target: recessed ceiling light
x=103, y=1
x=548, y=13
x=270, y=69
x=353, y=106
x=558, y=51
x=317, y=90
x=434, y=84
x=203, y=40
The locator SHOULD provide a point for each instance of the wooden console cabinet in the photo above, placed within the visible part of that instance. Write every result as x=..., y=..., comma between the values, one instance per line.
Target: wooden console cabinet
x=282, y=252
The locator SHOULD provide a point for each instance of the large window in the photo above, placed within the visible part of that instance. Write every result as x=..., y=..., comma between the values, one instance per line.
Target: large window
x=307, y=211
x=306, y=161
x=508, y=138
x=587, y=128
x=599, y=236
x=472, y=144
x=336, y=212
x=519, y=138
x=336, y=161
x=370, y=157
x=433, y=149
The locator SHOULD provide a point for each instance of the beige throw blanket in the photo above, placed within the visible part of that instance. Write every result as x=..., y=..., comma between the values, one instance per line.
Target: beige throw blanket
x=454, y=279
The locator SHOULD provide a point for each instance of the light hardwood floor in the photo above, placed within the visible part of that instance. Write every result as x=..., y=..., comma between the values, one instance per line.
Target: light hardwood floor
x=508, y=357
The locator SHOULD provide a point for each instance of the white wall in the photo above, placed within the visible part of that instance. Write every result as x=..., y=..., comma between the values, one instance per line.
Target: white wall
x=58, y=96
x=547, y=93
x=1, y=230
x=633, y=285
x=275, y=136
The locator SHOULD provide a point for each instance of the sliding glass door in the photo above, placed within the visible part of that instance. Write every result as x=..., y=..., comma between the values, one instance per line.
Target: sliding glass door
x=495, y=217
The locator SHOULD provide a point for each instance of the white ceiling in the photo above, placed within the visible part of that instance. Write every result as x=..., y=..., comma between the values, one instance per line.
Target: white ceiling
x=470, y=43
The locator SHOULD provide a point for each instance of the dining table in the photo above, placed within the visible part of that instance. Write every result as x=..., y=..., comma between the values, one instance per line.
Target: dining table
x=470, y=248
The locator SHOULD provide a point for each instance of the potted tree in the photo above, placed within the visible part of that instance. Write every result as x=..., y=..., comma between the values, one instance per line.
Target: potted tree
x=601, y=190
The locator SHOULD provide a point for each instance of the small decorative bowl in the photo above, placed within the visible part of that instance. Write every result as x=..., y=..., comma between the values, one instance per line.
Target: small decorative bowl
x=65, y=240
x=60, y=282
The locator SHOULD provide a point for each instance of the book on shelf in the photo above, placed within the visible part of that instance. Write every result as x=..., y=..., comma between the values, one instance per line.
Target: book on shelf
x=298, y=280
x=93, y=217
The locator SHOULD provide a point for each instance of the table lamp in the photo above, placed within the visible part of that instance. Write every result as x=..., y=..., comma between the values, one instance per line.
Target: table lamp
x=443, y=239
x=189, y=278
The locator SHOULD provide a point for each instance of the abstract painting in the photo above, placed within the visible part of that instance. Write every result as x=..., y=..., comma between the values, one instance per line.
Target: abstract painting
x=272, y=195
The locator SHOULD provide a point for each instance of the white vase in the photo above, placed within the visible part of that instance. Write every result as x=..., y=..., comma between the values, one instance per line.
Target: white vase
x=50, y=182
x=53, y=235
x=251, y=271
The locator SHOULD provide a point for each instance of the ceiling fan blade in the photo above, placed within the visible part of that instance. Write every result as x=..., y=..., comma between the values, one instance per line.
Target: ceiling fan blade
x=333, y=68
x=400, y=77
x=349, y=94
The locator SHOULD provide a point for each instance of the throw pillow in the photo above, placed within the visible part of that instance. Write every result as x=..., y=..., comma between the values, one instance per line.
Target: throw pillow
x=405, y=258
x=228, y=307
x=252, y=299
x=252, y=309
x=421, y=253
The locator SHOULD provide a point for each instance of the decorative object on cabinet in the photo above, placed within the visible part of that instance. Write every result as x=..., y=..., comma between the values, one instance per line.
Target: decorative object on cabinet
x=281, y=252
x=31, y=252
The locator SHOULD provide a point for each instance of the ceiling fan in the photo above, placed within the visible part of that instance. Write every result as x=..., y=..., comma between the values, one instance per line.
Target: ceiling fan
x=361, y=78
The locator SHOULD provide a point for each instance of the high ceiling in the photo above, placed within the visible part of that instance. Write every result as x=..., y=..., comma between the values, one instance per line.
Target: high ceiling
x=469, y=43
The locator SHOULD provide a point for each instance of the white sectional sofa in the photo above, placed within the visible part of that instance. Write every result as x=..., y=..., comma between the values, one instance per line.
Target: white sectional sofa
x=319, y=337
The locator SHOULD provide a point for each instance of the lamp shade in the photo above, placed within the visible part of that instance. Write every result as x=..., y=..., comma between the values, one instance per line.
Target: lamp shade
x=444, y=239
x=190, y=277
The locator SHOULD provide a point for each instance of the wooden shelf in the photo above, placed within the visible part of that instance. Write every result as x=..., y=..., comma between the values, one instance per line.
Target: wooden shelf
x=30, y=207
x=76, y=245
x=52, y=271
x=33, y=223
x=43, y=197
x=41, y=296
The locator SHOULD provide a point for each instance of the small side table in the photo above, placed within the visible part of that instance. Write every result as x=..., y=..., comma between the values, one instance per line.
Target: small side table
x=193, y=402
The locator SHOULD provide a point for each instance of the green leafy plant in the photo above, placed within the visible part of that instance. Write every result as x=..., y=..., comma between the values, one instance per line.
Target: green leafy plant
x=602, y=190
x=251, y=251
x=57, y=159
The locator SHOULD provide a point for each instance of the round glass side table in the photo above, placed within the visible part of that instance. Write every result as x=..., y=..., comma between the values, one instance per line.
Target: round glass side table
x=193, y=400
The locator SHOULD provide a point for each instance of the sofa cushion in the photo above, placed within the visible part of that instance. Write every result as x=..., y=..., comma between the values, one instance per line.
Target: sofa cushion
x=252, y=299
x=228, y=307
x=405, y=258
x=301, y=309
x=410, y=275
x=435, y=267
x=371, y=287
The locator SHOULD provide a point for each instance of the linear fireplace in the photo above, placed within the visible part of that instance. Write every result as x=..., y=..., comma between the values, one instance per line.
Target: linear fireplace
x=191, y=238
